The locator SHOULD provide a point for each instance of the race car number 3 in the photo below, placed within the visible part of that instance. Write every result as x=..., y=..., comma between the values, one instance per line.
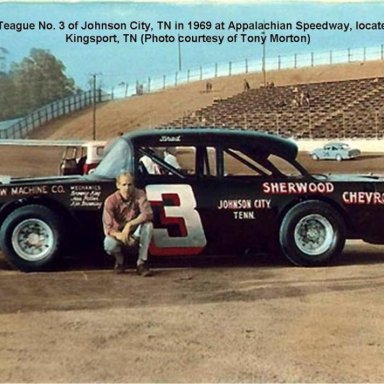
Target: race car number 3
x=181, y=213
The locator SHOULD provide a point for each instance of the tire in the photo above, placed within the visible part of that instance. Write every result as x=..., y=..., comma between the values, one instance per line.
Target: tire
x=315, y=157
x=339, y=158
x=312, y=233
x=30, y=238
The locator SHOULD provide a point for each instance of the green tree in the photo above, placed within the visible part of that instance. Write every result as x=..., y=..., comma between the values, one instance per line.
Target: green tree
x=3, y=59
x=7, y=97
x=40, y=79
x=7, y=89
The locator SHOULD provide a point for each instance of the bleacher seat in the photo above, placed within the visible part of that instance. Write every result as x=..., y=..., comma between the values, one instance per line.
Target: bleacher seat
x=338, y=109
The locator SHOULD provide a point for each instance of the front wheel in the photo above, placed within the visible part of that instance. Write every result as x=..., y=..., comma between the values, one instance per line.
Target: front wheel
x=31, y=237
x=312, y=233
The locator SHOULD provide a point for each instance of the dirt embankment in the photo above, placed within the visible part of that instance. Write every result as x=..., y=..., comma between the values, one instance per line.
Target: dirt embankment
x=151, y=110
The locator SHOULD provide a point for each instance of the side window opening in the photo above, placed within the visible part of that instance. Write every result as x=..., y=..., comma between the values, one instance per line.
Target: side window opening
x=249, y=163
x=237, y=163
x=285, y=167
x=161, y=161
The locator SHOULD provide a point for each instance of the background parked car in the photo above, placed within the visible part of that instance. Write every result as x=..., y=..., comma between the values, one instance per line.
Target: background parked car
x=81, y=159
x=335, y=151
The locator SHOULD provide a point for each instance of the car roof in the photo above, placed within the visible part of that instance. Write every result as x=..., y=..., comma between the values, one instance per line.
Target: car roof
x=338, y=143
x=95, y=143
x=264, y=142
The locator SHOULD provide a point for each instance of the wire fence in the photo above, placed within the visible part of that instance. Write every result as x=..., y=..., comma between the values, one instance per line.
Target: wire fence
x=244, y=66
x=22, y=127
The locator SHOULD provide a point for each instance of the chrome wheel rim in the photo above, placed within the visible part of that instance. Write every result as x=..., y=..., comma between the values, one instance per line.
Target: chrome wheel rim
x=314, y=235
x=33, y=239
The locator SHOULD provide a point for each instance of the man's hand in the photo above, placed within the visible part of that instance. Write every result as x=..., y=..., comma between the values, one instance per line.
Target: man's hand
x=119, y=236
x=125, y=236
x=126, y=233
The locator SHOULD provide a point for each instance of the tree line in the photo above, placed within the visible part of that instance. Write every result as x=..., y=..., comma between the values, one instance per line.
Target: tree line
x=35, y=81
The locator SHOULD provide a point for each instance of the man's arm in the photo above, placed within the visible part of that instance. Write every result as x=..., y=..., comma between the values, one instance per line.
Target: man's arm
x=110, y=225
x=146, y=213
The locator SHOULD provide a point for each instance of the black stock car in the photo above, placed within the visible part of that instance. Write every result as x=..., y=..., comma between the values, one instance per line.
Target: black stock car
x=236, y=190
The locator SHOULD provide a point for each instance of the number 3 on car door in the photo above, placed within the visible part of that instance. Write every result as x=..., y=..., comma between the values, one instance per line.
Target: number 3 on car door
x=183, y=213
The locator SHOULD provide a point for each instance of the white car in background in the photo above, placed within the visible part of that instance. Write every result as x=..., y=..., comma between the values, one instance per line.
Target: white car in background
x=335, y=151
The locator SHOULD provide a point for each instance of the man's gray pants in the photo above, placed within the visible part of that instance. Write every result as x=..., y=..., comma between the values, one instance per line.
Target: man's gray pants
x=115, y=247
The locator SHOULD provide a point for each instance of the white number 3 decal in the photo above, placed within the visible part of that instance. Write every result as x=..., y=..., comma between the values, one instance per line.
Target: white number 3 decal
x=191, y=238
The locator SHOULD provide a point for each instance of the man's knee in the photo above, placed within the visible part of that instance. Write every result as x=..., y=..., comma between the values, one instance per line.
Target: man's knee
x=111, y=245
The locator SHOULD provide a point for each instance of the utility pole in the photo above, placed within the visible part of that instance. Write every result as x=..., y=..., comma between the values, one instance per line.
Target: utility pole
x=94, y=76
x=263, y=64
x=94, y=108
x=179, y=51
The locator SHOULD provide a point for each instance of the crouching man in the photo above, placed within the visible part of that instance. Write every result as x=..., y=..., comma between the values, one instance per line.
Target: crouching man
x=127, y=221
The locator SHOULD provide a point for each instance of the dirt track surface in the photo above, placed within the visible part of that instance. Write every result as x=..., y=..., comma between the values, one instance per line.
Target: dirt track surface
x=246, y=320
x=252, y=319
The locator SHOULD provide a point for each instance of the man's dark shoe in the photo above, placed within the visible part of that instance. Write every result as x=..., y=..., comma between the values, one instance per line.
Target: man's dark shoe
x=119, y=269
x=143, y=270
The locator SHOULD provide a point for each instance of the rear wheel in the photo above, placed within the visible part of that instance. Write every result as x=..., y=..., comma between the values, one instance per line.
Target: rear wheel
x=315, y=157
x=312, y=233
x=31, y=237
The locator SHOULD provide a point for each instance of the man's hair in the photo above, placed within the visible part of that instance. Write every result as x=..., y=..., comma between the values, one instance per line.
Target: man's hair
x=125, y=174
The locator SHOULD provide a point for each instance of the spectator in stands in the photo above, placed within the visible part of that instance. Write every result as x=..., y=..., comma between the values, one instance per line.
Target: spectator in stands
x=208, y=87
x=246, y=85
x=301, y=99
x=294, y=102
x=307, y=98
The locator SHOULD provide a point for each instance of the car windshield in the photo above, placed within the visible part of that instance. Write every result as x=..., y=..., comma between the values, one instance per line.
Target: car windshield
x=118, y=158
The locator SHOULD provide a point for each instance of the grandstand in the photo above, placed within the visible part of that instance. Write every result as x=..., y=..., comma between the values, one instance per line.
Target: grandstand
x=334, y=109
x=345, y=101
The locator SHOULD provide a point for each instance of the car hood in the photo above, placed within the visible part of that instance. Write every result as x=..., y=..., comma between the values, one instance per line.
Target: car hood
x=7, y=180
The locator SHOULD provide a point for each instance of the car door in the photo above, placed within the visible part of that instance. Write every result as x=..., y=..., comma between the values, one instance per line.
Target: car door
x=327, y=152
x=241, y=207
x=175, y=199
x=215, y=205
